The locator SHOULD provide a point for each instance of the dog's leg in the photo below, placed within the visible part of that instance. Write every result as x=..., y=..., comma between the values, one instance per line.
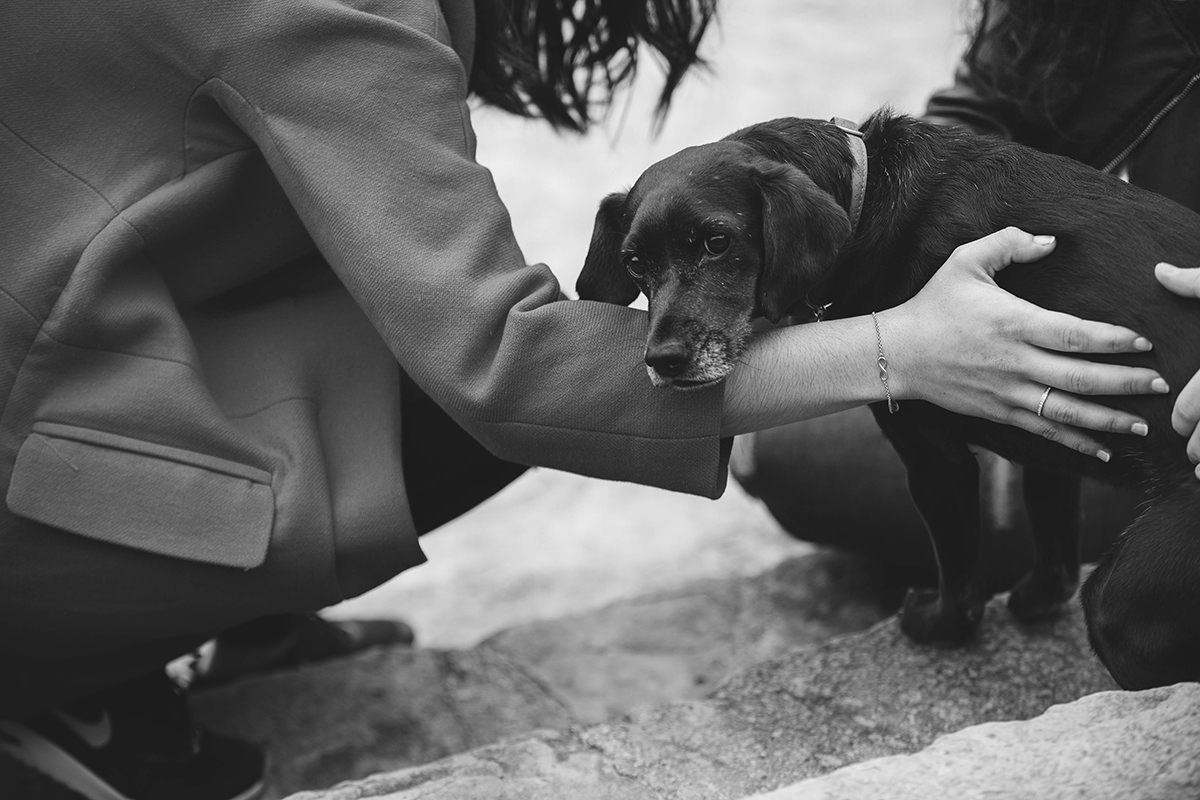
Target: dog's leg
x=943, y=479
x=1142, y=602
x=1052, y=503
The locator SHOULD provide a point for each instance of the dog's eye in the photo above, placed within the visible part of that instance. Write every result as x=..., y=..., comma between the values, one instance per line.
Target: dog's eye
x=633, y=265
x=716, y=244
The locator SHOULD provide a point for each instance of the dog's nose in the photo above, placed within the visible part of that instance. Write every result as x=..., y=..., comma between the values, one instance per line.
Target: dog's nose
x=668, y=359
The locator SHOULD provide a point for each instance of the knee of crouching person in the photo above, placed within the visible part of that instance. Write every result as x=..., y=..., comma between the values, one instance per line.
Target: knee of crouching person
x=1142, y=637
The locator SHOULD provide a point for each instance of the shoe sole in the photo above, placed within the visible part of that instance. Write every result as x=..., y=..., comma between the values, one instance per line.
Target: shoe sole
x=52, y=761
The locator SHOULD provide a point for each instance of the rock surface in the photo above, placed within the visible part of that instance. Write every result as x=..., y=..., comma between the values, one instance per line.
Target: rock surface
x=678, y=645
x=1107, y=746
x=399, y=707
x=804, y=714
x=377, y=711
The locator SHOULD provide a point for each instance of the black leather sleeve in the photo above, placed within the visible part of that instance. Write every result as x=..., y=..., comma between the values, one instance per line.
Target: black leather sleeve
x=965, y=103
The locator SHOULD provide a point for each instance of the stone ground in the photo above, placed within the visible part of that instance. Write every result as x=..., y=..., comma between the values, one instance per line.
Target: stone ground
x=397, y=708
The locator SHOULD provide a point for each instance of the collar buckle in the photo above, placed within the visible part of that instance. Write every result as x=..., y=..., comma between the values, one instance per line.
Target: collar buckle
x=816, y=313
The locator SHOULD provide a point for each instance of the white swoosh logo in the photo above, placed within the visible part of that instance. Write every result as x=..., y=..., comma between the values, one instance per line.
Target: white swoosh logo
x=96, y=734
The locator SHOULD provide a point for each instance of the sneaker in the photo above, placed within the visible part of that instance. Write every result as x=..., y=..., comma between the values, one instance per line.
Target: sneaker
x=287, y=640
x=135, y=742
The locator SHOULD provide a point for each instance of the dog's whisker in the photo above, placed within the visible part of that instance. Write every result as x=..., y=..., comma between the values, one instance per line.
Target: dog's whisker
x=742, y=362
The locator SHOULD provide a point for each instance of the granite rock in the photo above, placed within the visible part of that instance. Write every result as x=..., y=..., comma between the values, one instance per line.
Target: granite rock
x=800, y=715
x=400, y=707
x=1106, y=746
x=677, y=645
x=377, y=711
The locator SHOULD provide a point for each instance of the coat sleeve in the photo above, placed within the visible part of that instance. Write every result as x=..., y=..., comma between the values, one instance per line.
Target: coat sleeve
x=361, y=113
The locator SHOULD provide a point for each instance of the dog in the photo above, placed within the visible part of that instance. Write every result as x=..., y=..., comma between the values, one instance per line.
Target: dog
x=760, y=224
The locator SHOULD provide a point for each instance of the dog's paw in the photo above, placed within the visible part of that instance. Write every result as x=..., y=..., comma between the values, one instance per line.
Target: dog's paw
x=928, y=618
x=1041, y=595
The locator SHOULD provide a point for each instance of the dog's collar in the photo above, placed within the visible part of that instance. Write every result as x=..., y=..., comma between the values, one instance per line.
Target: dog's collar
x=858, y=189
x=858, y=181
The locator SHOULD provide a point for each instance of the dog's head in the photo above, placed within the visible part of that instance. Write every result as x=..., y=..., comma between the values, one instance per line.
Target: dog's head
x=714, y=236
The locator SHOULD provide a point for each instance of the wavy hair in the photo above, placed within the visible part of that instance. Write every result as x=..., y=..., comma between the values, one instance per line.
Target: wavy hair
x=1038, y=54
x=563, y=60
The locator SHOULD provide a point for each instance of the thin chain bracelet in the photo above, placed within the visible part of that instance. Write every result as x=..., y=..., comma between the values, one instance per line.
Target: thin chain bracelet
x=892, y=405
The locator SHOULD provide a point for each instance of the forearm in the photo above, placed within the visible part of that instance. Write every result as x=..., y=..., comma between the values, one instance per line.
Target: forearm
x=804, y=371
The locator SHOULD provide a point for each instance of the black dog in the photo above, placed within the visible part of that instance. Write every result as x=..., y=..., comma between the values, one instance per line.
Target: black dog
x=758, y=224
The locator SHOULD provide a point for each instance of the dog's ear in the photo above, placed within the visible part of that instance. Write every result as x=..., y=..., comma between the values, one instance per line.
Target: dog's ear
x=803, y=229
x=603, y=276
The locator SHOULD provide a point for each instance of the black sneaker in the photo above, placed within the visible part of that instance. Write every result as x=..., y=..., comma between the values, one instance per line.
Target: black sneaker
x=135, y=742
x=286, y=640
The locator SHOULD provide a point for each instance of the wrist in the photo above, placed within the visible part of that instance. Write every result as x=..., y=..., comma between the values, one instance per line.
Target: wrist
x=897, y=337
x=883, y=367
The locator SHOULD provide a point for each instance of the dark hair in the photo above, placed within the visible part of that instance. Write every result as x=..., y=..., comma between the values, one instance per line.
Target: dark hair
x=563, y=60
x=1038, y=54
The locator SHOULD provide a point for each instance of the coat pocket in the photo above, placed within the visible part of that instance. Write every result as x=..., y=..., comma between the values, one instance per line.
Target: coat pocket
x=147, y=496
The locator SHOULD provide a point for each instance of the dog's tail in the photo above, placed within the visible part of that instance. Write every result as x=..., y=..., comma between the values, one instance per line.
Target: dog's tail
x=1142, y=602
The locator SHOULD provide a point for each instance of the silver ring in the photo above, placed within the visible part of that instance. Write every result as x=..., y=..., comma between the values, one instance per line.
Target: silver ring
x=1042, y=402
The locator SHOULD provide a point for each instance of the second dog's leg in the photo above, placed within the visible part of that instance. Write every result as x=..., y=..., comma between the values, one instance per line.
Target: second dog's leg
x=1052, y=502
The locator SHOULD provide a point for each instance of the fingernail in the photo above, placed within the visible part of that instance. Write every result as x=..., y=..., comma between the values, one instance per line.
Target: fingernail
x=1104, y=456
x=1198, y=471
x=1160, y=386
x=1140, y=428
x=1043, y=239
x=1142, y=343
x=1165, y=265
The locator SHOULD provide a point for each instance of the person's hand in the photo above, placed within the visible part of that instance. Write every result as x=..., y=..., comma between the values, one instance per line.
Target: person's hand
x=971, y=347
x=1185, y=282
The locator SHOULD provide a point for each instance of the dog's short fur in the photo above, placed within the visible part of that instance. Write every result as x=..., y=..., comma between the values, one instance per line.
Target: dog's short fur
x=756, y=225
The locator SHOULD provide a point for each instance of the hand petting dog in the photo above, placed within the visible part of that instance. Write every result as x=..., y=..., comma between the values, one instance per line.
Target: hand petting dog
x=997, y=331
